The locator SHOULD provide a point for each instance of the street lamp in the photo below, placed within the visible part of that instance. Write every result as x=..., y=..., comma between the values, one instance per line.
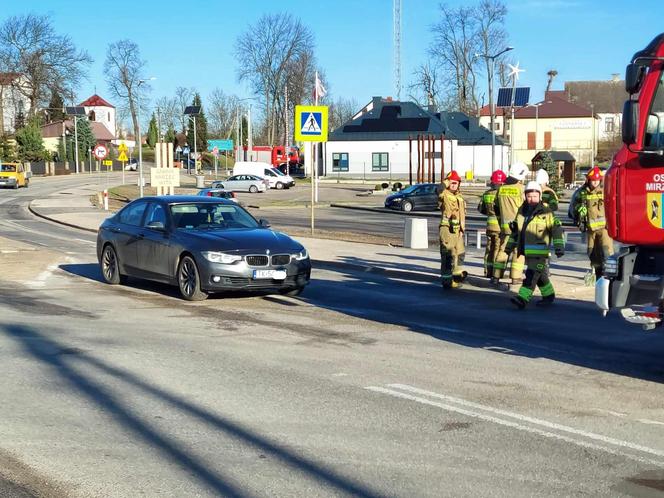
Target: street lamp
x=75, y=111
x=592, y=131
x=492, y=109
x=138, y=132
x=193, y=111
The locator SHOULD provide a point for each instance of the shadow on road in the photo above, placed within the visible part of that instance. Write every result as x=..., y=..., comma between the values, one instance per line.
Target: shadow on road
x=71, y=368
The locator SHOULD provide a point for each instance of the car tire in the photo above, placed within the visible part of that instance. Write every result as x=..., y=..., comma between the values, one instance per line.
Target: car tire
x=16, y=186
x=110, y=266
x=253, y=189
x=279, y=186
x=27, y=183
x=292, y=292
x=189, y=280
x=407, y=207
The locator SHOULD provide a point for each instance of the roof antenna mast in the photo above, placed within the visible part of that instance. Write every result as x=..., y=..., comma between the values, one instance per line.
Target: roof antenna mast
x=396, y=14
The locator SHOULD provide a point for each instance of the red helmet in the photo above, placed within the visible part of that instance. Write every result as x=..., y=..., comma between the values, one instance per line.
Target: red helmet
x=594, y=174
x=498, y=177
x=453, y=176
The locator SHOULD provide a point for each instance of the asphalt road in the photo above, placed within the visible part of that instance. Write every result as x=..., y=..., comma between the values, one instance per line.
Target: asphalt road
x=364, y=386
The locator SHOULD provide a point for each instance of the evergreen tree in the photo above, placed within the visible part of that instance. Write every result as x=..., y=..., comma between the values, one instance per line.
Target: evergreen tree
x=169, y=138
x=86, y=139
x=19, y=121
x=6, y=149
x=153, y=133
x=555, y=181
x=55, y=108
x=30, y=142
x=201, y=128
x=61, y=151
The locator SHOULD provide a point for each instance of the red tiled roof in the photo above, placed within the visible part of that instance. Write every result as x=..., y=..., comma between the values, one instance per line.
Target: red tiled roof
x=53, y=130
x=554, y=106
x=95, y=101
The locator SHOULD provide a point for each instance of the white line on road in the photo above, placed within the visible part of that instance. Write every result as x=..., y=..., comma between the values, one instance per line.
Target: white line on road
x=498, y=417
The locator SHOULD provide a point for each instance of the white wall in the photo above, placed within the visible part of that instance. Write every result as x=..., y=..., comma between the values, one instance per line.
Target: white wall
x=105, y=116
x=475, y=159
x=12, y=102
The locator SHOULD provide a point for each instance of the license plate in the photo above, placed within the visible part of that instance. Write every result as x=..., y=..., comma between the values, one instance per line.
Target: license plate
x=273, y=274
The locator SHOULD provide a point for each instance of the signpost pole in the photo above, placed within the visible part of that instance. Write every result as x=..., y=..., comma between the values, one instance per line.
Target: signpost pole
x=312, y=187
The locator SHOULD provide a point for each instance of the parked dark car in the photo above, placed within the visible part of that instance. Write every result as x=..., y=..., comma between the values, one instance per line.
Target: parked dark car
x=219, y=193
x=202, y=245
x=419, y=197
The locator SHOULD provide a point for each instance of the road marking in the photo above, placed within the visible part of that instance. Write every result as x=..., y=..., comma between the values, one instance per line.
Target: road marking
x=649, y=422
x=40, y=281
x=502, y=417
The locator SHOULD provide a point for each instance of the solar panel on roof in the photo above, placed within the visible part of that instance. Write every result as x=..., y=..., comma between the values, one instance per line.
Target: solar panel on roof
x=75, y=111
x=521, y=97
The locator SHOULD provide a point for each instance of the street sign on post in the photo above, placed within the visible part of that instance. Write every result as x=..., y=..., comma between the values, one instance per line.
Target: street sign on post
x=311, y=123
x=221, y=145
x=100, y=152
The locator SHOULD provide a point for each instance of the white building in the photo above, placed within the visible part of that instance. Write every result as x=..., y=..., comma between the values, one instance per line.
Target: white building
x=14, y=102
x=606, y=98
x=389, y=139
x=100, y=111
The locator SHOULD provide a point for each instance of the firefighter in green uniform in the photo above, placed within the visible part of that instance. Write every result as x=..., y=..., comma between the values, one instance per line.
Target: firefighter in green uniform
x=509, y=199
x=486, y=207
x=588, y=210
x=534, y=230
x=549, y=196
x=452, y=225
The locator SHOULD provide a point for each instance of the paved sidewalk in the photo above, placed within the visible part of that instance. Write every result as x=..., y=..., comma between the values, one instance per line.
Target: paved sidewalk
x=396, y=262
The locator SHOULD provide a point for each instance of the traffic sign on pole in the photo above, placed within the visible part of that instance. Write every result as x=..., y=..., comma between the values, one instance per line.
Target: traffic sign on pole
x=311, y=123
x=100, y=152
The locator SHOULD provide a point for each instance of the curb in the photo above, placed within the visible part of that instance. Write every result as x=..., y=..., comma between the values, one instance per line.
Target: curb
x=59, y=222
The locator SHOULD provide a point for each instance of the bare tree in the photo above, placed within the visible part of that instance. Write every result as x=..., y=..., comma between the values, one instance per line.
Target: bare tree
x=183, y=98
x=222, y=112
x=265, y=53
x=168, y=112
x=124, y=70
x=551, y=76
x=341, y=111
x=426, y=86
x=48, y=61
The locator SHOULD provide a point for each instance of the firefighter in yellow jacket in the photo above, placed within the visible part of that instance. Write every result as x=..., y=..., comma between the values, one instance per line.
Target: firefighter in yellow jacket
x=486, y=207
x=588, y=209
x=509, y=199
x=533, y=232
x=452, y=225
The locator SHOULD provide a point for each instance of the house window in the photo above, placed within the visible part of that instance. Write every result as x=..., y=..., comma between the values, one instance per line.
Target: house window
x=531, y=140
x=340, y=161
x=380, y=161
x=496, y=126
x=109, y=117
x=609, y=125
x=547, y=140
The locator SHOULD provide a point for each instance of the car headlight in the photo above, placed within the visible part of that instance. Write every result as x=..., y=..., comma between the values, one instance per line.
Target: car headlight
x=300, y=256
x=221, y=257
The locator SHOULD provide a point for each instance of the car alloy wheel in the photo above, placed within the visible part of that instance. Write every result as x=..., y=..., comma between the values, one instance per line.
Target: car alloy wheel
x=110, y=268
x=253, y=189
x=189, y=280
x=407, y=206
x=279, y=185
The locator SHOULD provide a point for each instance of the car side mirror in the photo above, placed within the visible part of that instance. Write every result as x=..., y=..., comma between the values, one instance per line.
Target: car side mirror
x=264, y=223
x=634, y=77
x=156, y=225
x=629, y=122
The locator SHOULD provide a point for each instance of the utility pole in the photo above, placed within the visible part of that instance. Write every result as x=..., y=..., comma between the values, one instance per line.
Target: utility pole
x=396, y=14
x=286, y=148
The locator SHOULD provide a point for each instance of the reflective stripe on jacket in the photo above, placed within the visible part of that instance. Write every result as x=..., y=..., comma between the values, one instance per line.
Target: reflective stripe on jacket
x=487, y=207
x=452, y=210
x=535, y=232
x=509, y=199
x=593, y=202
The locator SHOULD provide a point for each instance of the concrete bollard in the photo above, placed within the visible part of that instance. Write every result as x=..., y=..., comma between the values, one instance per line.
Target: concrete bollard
x=200, y=181
x=416, y=233
x=105, y=200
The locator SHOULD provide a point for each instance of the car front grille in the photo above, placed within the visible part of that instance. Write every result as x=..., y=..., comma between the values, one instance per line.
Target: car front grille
x=280, y=259
x=257, y=260
x=249, y=283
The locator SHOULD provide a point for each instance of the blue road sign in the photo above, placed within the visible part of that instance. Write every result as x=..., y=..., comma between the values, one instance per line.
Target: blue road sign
x=220, y=144
x=311, y=123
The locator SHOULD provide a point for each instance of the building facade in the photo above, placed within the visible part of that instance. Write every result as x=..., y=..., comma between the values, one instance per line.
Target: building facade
x=100, y=111
x=14, y=103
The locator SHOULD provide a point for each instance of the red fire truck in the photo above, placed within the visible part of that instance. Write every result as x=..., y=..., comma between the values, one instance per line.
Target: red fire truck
x=277, y=156
x=634, y=194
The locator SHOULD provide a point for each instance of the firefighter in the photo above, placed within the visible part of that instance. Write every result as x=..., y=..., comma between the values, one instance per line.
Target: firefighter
x=533, y=231
x=486, y=207
x=508, y=201
x=452, y=225
x=588, y=210
x=549, y=196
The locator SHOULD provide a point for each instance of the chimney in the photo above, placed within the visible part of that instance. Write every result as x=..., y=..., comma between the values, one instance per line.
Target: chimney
x=389, y=99
x=615, y=77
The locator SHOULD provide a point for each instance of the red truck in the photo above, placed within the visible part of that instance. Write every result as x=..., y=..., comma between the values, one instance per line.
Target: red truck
x=634, y=195
x=277, y=157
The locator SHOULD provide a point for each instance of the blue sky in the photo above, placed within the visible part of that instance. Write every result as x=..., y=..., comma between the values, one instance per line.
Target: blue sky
x=191, y=43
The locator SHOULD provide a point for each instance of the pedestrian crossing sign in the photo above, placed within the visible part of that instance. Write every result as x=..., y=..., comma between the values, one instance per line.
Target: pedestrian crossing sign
x=311, y=123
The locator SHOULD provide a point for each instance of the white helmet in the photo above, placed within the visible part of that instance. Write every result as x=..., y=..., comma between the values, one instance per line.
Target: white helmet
x=542, y=177
x=519, y=171
x=533, y=186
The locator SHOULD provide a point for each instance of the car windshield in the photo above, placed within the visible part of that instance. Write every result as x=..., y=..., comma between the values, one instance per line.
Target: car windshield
x=8, y=168
x=205, y=216
x=278, y=172
x=654, y=137
x=409, y=190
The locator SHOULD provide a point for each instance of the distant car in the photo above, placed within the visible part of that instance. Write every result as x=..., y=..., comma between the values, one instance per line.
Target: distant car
x=132, y=165
x=419, y=197
x=202, y=245
x=219, y=193
x=243, y=183
x=14, y=175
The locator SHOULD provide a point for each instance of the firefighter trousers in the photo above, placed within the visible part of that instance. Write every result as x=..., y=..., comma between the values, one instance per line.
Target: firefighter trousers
x=500, y=263
x=537, y=276
x=452, y=254
x=600, y=247
x=491, y=251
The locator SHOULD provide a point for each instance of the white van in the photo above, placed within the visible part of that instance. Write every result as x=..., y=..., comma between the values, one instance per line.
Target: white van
x=276, y=178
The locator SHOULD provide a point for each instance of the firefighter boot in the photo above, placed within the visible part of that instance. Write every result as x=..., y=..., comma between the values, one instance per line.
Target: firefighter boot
x=519, y=302
x=546, y=301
